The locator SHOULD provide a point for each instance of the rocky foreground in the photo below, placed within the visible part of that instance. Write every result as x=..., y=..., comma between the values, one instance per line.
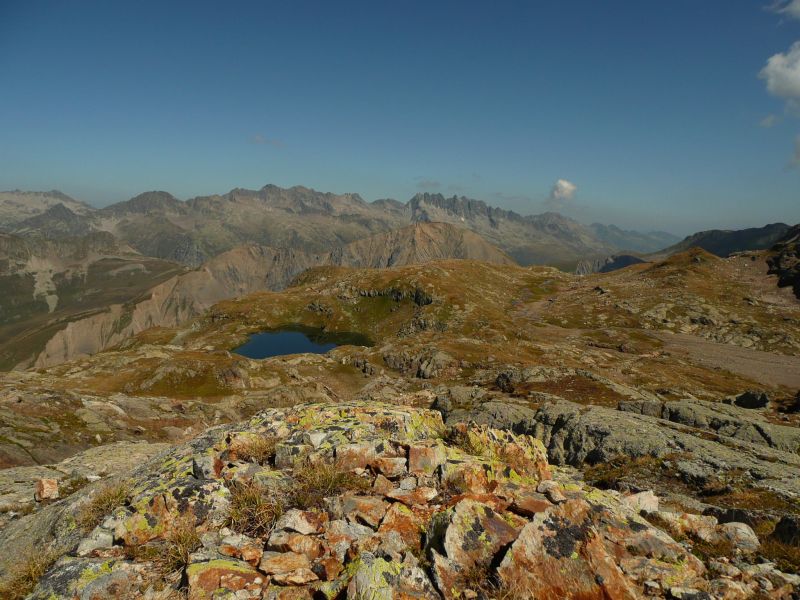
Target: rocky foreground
x=368, y=500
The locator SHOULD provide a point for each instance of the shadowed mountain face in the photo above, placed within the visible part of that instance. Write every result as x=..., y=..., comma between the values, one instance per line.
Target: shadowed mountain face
x=719, y=242
x=726, y=242
x=157, y=224
x=135, y=292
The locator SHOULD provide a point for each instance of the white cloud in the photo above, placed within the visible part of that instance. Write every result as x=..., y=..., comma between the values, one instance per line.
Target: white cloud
x=561, y=195
x=790, y=8
x=563, y=190
x=769, y=121
x=782, y=74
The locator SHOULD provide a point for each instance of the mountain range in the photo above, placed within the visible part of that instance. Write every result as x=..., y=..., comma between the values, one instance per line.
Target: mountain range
x=190, y=232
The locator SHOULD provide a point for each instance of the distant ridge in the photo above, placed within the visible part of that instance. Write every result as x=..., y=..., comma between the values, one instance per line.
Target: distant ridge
x=157, y=224
x=724, y=242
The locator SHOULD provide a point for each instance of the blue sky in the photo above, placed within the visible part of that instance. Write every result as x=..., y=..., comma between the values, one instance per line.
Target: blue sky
x=654, y=113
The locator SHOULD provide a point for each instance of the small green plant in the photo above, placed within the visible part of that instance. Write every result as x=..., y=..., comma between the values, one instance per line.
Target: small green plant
x=24, y=576
x=254, y=509
x=72, y=485
x=317, y=481
x=104, y=500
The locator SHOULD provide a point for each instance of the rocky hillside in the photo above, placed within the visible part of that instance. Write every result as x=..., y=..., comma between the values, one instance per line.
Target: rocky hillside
x=416, y=244
x=49, y=283
x=366, y=500
x=248, y=269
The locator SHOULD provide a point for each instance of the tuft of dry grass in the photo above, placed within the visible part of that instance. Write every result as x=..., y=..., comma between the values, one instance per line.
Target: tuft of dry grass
x=104, y=500
x=254, y=509
x=484, y=581
x=317, y=481
x=24, y=576
x=258, y=449
x=180, y=542
x=458, y=437
x=785, y=557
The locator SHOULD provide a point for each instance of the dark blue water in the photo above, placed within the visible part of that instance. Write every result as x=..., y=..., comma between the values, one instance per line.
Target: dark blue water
x=296, y=341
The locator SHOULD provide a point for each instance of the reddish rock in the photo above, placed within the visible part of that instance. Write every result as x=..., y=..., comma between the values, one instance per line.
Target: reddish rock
x=297, y=577
x=356, y=456
x=328, y=569
x=305, y=522
x=286, y=541
x=559, y=555
x=405, y=522
x=382, y=485
x=523, y=499
x=364, y=509
x=274, y=563
x=419, y=495
x=206, y=578
x=465, y=478
x=46, y=489
x=425, y=458
x=465, y=537
x=390, y=467
x=645, y=501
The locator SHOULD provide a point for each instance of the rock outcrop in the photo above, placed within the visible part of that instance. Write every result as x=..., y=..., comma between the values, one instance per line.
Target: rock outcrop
x=369, y=501
x=695, y=444
x=784, y=260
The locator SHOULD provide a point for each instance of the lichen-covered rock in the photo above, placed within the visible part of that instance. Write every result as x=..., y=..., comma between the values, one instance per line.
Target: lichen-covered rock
x=206, y=578
x=574, y=550
x=473, y=512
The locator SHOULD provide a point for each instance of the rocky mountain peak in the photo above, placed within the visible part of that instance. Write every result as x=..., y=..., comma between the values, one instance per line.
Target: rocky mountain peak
x=147, y=203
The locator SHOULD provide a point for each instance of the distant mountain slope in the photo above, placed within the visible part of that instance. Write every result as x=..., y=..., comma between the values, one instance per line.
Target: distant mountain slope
x=724, y=242
x=192, y=231
x=58, y=221
x=17, y=206
x=418, y=243
x=251, y=268
x=633, y=240
x=47, y=283
x=607, y=264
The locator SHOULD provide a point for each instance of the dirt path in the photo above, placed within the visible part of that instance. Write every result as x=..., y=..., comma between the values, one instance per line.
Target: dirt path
x=764, y=367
